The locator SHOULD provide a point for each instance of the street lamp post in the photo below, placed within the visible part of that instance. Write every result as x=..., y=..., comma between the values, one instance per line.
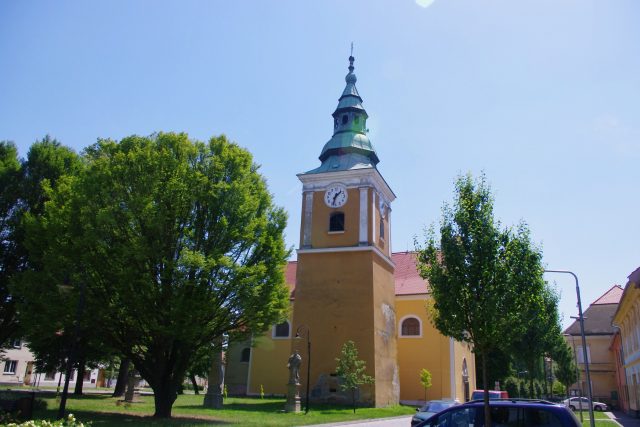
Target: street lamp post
x=584, y=343
x=298, y=336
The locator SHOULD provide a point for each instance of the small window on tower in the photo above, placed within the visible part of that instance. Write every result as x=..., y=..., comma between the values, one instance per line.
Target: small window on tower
x=381, y=228
x=336, y=221
x=345, y=119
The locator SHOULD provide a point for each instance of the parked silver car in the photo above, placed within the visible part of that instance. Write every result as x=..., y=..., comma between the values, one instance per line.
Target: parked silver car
x=575, y=403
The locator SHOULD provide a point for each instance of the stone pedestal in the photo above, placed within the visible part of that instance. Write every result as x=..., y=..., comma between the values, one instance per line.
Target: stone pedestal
x=131, y=395
x=213, y=398
x=293, y=398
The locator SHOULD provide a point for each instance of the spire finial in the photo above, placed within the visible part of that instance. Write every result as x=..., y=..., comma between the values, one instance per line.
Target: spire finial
x=351, y=59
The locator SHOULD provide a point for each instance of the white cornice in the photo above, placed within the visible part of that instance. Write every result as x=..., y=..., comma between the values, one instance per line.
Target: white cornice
x=349, y=249
x=352, y=179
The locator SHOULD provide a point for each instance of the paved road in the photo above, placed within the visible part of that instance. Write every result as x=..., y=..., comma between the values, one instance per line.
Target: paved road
x=404, y=421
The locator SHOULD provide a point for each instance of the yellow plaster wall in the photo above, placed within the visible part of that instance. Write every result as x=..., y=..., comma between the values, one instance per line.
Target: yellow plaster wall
x=320, y=236
x=462, y=351
x=430, y=351
x=387, y=373
x=268, y=365
x=235, y=374
x=334, y=298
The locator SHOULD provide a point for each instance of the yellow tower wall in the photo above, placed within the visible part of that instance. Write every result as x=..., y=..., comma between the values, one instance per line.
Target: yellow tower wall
x=338, y=297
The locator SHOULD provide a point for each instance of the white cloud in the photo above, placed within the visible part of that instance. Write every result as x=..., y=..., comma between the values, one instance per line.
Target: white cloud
x=424, y=3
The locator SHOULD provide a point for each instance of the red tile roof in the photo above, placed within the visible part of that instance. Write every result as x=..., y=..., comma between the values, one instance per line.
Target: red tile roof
x=290, y=277
x=408, y=281
x=612, y=296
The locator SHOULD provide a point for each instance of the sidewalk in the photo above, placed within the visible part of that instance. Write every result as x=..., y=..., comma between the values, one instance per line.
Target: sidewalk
x=623, y=419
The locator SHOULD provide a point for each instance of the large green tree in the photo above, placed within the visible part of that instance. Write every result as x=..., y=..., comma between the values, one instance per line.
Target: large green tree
x=175, y=243
x=541, y=329
x=24, y=186
x=10, y=172
x=565, y=368
x=476, y=272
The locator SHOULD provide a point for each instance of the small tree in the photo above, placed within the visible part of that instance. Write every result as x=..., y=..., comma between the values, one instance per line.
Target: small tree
x=425, y=381
x=351, y=370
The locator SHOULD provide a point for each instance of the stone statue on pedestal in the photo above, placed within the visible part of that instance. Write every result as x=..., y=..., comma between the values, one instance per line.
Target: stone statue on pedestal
x=293, y=394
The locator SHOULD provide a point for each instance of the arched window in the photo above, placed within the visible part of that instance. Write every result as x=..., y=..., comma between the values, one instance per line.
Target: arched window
x=381, y=228
x=410, y=326
x=281, y=330
x=336, y=221
x=345, y=119
x=245, y=355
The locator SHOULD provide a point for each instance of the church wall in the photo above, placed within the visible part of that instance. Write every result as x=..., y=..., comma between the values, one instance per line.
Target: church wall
x=430, y=350
x=268, y=368
x=387, y=373
x=462, y=353
x=236, y=371
x=334, y=298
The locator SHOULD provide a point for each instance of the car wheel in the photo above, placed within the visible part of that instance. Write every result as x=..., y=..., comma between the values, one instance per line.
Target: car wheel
x=573, y=408
x=597, y=408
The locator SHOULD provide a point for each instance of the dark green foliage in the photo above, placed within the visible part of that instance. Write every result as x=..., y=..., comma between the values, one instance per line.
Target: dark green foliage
x=24, y=192
x=565, y=368
x=511, y=386
x=10, y=260
x=176, y=243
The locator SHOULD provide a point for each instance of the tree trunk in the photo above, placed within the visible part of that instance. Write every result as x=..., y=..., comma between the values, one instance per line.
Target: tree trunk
x=163, y=396
x=77, y=391
x=121, y=382
x=194, y=383
x=353, y=399
x=487, y=413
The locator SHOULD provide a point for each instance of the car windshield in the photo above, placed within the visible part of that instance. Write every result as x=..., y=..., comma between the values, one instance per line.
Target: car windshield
x=435, y=406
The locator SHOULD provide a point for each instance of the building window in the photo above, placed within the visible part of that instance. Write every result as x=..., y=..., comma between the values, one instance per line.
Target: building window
x=50, y=376
x=281, y=330
x=245, y=355
x=10, y=366
x=87, y=375
x=16, y=343
x=336, y=221
x=410, y=326
x=381, y=228
x=345, y=119
x=580, y=354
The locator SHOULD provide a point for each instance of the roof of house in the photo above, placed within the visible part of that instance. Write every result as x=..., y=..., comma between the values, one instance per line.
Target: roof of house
x=407, y=279
x=599, y=315
x=612, y=296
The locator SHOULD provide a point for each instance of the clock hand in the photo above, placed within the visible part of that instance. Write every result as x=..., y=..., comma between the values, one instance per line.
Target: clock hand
x=336, y=196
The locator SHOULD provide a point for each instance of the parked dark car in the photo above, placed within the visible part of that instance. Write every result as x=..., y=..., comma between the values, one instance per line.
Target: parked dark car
x=431, y=408
x=508, y=412
x=493, y=394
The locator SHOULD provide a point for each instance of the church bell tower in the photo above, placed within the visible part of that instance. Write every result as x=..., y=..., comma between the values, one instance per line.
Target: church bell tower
x=344, y=282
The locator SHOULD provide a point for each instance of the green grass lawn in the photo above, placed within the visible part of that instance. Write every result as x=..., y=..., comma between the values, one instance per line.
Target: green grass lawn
x=601, y=419
x=104, y=411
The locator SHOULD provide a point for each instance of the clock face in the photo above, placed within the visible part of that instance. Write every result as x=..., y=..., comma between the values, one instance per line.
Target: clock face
x=335, y=196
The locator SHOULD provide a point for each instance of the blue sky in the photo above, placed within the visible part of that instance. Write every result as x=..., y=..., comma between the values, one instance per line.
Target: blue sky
x=540, y=95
